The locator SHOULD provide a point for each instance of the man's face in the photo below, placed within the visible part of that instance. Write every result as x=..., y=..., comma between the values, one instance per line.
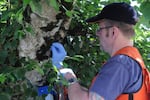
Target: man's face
x=104, y=36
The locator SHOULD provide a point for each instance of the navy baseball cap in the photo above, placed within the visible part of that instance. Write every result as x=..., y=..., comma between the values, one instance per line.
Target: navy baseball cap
x=122, y=12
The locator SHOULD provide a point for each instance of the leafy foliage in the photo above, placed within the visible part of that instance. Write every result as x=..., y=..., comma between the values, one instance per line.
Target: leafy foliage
x=84, y=55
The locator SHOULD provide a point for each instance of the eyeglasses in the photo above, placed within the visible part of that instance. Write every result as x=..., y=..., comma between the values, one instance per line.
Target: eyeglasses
x=98, y=30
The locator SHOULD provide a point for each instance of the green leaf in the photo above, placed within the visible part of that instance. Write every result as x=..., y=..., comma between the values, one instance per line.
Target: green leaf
x=19, y=74
x=11, y=77
x=29, y=29
x=25, y=2
x=35, y=6
x=5, y=15
x=19, y=16
x=68, y=1
x=76, y=58
x=2, y=78
x=145, y=7
x=19, y=34
x=54, y=4
x=40, y=70
x=69, y=13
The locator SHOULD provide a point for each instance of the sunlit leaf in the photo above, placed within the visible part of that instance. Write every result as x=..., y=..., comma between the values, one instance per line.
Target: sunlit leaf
x=69, y=13
x=76, y=57
x=19, y=16
x=40, y=70
x=69, y=0
x=2, y=78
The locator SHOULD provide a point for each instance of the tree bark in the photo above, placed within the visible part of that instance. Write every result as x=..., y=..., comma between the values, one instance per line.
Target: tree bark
x=49, y=26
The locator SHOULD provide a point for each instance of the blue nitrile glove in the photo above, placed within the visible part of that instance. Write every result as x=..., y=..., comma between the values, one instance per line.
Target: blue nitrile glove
x=58, y=54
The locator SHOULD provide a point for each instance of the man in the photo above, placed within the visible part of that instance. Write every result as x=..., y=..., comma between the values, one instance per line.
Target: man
x=122, y=77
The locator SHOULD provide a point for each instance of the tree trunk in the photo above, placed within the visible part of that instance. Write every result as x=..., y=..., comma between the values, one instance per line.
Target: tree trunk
x=48, y=26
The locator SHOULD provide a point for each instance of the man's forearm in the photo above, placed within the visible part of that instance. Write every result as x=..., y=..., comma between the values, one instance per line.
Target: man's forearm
x=76, y=91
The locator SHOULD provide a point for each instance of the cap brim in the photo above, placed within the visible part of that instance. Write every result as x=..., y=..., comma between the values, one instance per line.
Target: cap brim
x=93, y=19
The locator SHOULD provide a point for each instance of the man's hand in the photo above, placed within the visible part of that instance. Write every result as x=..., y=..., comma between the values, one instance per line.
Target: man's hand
x=58, y=54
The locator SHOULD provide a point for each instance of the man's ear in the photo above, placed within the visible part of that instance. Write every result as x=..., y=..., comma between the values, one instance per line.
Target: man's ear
x=115, y=32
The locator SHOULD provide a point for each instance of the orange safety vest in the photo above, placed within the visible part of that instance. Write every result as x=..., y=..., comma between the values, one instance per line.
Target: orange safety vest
x=144, y=91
